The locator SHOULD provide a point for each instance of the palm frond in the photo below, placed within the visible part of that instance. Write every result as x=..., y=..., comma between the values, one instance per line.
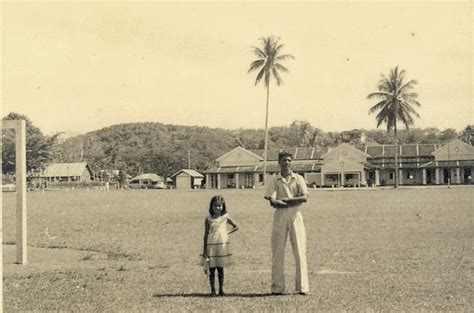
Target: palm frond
x=377, y=107
x=414, y=102
x=259, y=52
x=406, y=120
x=409, y=109
x=377, y=95
x=255, y=65
x=268, y=45
x=277, y=76
x=284, y=57
x=260, y=75
x=411, y=102
x=278, y=47
x=280, y=67
x=383, y=114
x=409, y=95
x=408, y=85
x=384, y=85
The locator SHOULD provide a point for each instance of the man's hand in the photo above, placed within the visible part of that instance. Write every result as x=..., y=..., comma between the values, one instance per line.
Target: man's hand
x=278, y=204
x=296, y=200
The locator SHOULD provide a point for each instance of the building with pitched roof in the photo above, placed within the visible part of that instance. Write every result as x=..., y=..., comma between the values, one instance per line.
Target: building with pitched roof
x=187, y=179
x=348, y=165
x=68, y=172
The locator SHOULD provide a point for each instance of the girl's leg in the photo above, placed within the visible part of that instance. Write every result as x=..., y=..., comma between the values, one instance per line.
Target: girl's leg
x=212, y=276
x=220, y=273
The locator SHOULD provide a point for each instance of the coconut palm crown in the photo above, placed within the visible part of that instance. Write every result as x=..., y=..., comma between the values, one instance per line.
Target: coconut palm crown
x=396, y=103
x=268, y=65
x=397, y=100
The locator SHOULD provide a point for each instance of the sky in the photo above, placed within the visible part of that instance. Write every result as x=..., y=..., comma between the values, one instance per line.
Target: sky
x=82, y=66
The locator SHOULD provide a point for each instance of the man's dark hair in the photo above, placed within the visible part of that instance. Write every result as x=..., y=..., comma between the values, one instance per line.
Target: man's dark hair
x=283, y=154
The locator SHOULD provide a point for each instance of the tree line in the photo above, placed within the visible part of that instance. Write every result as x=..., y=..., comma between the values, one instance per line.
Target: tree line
x=165, y=149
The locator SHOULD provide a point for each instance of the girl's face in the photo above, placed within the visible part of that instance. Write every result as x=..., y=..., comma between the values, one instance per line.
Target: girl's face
x=217, y=208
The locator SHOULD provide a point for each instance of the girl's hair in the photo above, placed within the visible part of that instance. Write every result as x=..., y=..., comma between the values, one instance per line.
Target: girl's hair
x=218, y=199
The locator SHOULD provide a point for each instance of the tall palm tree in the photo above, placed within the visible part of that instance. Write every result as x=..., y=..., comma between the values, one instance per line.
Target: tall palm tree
x=397, y=100
x=268, y=67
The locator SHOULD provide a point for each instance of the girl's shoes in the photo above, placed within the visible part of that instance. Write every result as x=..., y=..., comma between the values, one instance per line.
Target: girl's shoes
x=221, y=293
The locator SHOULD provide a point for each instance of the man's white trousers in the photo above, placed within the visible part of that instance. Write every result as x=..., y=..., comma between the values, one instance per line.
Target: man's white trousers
x=289, y=221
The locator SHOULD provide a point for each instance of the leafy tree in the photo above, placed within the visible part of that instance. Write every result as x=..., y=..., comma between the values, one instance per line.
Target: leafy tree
x=249, y=138
x=38, y=146
x=268, y=66
x=414, y=135
x=396, y=104
x=321, y=139
x=447, y=135
x=304, y=133
x=430, y=135
x=467, y=134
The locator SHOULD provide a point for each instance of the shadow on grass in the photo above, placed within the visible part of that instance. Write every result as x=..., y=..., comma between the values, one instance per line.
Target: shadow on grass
x=206, y=295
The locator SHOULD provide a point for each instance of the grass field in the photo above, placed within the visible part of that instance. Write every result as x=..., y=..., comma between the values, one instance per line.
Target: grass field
x=137, y=250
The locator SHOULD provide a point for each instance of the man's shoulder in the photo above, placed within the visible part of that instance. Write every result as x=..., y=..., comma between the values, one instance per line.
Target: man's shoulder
x=299, y=176
x=300, y=179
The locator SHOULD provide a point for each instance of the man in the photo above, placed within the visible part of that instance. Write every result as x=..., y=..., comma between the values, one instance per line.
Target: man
x=286, y=192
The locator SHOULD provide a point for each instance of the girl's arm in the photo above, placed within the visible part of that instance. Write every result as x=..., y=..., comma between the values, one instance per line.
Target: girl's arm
x=206, y=234
x=233, y=224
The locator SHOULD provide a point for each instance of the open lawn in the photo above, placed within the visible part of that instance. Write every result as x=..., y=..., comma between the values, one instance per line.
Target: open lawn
x=137, y=250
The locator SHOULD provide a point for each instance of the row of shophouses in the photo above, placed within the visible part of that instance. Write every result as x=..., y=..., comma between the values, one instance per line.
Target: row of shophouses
x=347, y=165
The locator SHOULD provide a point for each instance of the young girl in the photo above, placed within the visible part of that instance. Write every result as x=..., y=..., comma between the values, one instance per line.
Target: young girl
x=216, y=251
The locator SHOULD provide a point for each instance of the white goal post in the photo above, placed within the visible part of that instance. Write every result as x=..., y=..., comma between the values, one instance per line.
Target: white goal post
x=20, y=181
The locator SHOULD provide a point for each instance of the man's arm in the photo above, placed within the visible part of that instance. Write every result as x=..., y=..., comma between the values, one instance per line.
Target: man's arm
x=303, y=193
x=277, y=204
x=270, y=191
x=297, y=200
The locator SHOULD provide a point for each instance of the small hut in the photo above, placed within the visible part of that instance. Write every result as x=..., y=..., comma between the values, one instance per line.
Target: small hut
x=187, y=179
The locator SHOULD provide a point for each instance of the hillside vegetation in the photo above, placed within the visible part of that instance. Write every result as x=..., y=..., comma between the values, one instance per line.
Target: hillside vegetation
x=165, y=149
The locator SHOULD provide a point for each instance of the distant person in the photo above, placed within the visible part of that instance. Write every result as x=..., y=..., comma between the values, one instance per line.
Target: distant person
x=286, y=192
x=216, y=250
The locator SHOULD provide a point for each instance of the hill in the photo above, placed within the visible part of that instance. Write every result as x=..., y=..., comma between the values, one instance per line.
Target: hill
x=153, y=147
x=165, y=149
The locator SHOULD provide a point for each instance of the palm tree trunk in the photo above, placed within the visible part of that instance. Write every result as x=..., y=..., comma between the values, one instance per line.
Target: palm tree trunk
x=396, y=155
x=266, y=139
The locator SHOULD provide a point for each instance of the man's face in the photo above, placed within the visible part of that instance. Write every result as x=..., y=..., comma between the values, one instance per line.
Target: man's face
x=285, y=163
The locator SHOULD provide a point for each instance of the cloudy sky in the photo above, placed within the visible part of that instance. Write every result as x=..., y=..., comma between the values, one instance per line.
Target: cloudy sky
x=81, y=66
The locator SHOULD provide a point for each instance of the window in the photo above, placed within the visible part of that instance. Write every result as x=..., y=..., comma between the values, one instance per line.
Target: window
x=260, y=177
x=409, y=175
x=391, y=175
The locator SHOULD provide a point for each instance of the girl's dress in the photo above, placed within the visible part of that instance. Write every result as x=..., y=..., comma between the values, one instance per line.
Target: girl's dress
x=218, y=247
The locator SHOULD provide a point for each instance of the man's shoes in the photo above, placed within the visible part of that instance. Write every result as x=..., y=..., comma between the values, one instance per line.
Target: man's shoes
x=303, y=293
